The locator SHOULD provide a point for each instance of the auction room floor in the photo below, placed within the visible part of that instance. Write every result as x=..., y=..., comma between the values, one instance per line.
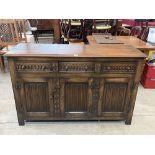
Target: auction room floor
x=143, y=119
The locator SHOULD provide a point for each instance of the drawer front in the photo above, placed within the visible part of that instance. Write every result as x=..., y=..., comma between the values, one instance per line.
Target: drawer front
x=36, y=66
x=115, y=67
x=76, y=67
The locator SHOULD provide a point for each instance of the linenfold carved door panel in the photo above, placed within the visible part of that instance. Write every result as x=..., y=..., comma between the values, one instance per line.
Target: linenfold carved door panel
x=37, y=94
x=115, y=96
x=76, y=96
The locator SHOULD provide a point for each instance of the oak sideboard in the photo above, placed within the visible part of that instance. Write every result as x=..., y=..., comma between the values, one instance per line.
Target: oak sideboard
x=75, y=82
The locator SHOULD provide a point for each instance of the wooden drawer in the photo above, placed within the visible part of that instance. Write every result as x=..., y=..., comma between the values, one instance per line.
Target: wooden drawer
x=76, y=67
x=115, y=67
x=30, y=66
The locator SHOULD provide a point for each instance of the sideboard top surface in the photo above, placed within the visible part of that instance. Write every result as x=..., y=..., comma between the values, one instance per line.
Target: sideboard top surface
x=63, y=50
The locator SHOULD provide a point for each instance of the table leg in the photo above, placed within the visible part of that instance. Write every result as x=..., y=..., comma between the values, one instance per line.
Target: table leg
x=2, y=66
x=35, y=35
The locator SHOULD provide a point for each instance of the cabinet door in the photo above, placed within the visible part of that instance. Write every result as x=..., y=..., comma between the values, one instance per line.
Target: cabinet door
x=76, y=97
x=114, y=97
x=37, y=97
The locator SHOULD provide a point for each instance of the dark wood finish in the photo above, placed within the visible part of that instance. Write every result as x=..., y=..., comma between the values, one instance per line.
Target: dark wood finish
x=75, y=82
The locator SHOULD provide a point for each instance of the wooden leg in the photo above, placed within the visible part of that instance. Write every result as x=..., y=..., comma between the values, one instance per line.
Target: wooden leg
x=20, y=119
x=35, y=35
x=2, y=63
x=128, y=120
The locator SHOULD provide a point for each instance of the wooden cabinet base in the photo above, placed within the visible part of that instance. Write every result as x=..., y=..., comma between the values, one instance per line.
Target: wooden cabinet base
x=69, y=118
x=48, y=87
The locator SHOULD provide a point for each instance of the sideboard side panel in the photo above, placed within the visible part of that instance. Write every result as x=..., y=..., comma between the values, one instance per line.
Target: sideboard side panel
x=17, y=85
x=134, y=89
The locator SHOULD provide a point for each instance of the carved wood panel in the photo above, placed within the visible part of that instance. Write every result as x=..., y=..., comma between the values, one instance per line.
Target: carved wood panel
x=36, y=67
x=76, y=97
x=95, y=86
x=76, y=67
x=56, y=97
x=36, y=96
x=115, y=67
x=115, y=95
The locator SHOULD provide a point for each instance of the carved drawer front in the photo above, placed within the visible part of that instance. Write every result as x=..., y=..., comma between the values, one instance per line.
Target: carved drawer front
x=36, y=66
x=115, y=67
x=76, y=67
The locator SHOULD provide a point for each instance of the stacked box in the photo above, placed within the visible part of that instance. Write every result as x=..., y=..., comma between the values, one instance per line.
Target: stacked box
x=148, y=77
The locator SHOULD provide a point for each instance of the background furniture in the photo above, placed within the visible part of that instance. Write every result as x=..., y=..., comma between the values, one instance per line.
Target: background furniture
x=123, y=31
x=144, y=34
x=75, y=82
x=139, y=22
x=76, y=30
x=128, y=40
x=148, y=77
x=2, y=66
x=48, y=27
x=87, y=28
x=33, y=28
x=136, y=31
x=101, y=25
x=12, y=31
x=72, y=30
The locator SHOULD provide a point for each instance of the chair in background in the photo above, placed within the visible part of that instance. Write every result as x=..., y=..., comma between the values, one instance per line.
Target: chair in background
x=33, y=28
x=75, y=32
x=123, y=31
x=144, y=33
x=8, y=36
x=142, y=22
x=101, y=25
x=136, y=31
x=12, y=31
x=22, y=28
x=114, y=23
x=46, y=29
x=8, y=33
x=87, y=28
x=71, y=30
x=64, y=30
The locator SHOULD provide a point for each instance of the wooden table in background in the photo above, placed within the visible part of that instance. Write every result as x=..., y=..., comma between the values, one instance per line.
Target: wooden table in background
x=128, y=40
